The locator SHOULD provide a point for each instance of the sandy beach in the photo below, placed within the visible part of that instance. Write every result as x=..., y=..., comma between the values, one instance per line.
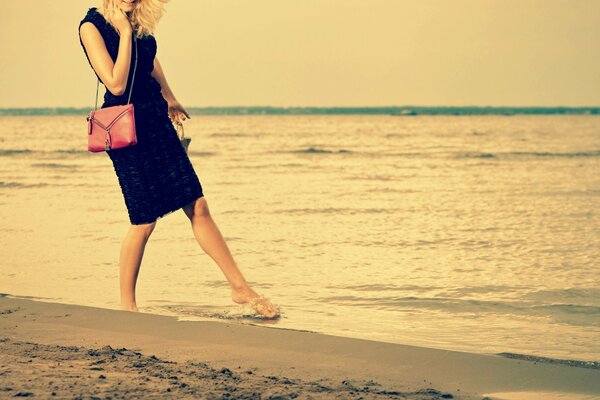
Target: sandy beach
x=52, y=350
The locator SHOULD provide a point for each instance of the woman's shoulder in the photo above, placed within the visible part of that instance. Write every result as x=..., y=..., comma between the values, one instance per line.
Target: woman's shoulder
x=95, y=18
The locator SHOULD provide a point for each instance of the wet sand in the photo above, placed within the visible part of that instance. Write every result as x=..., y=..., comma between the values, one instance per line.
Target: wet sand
x=51, y=350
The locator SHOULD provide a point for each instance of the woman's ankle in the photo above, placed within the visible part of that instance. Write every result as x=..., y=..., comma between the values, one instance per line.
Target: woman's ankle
x=129, y=306
x=239, y=286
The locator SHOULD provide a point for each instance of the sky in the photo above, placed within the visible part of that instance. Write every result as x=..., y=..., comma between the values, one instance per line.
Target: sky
x=324, y=53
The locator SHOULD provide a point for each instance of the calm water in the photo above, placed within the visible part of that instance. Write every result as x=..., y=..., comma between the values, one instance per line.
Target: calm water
x=476, y=233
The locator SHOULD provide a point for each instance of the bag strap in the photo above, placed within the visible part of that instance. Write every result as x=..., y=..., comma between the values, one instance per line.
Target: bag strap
x=132, y=78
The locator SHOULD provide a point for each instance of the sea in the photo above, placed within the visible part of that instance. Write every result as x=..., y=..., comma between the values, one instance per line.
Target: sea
x=477, y=233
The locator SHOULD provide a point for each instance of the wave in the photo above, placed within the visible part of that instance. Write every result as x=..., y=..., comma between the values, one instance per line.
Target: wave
x=320, y=150
x=476, y=155
x=316, y=150
x=70, y=151
x=375, y=287
x=226, y=134
x=21, y=185
x=10, y=152
x=571, y=363
x=54, y=166
x=338, y=210
x=438, y=154
x=548, y=154
x=201, y=153
x=567, y=313
x=13, y=152
x=587, y=296
x=16, y=152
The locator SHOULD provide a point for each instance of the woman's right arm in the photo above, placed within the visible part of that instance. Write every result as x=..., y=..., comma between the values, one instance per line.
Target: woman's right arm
x=113, y=74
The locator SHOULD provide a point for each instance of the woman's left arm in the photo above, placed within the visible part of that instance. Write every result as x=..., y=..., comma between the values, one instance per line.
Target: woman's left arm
x=176, y=111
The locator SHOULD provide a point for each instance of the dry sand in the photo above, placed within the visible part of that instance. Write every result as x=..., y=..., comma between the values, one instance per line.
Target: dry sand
x=51, y=350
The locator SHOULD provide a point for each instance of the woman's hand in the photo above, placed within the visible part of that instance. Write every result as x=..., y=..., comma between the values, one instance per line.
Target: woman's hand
x=176, y=112
x=122, y=23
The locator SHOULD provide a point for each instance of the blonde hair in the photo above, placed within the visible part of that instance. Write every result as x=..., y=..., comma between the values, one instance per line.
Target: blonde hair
x=143, y=18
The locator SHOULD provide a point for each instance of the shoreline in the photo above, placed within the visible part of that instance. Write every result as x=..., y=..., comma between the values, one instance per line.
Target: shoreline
x=212, y=359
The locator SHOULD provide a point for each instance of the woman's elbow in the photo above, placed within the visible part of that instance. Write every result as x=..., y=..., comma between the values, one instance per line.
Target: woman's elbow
x=116, y=90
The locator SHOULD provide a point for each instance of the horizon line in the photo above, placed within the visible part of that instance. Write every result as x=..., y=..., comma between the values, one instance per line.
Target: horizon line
x=342, y=107
x=399, y=111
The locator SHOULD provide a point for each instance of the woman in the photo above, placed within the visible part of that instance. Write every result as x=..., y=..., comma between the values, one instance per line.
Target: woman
x=155, y=175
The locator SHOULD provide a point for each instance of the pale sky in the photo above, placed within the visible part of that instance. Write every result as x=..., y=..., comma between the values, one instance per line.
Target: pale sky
x=324, y=53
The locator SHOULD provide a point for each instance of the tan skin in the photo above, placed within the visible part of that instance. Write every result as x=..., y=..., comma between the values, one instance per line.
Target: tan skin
x=207, y=234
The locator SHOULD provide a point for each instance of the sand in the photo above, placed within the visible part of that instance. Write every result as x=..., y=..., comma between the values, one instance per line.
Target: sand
x=52, y=350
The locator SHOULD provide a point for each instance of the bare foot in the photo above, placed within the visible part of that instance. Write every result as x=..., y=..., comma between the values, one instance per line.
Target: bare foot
x=129, y=307
x=258, y=302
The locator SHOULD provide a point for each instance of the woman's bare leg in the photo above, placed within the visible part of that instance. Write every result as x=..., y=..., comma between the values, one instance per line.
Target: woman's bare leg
x=210, y=239
x=132, y=251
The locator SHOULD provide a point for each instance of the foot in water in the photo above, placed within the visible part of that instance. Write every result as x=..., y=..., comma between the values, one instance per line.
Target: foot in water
x=259, y=303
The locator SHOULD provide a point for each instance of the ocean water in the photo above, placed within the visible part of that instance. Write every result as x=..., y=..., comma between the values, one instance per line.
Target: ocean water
x=471, y=233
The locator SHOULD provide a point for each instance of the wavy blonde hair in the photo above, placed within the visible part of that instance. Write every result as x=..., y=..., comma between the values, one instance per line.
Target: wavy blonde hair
x=144, y=17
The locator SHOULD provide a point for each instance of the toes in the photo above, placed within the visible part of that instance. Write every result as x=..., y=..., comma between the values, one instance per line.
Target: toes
x=263, y=306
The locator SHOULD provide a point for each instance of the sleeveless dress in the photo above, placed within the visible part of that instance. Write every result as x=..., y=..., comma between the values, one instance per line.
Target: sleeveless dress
x=155, y=175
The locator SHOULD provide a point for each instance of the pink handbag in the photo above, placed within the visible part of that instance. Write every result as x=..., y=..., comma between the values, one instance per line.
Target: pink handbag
x=112, y=127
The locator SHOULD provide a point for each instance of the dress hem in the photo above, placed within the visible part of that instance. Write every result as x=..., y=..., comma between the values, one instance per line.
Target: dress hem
x=179, y=207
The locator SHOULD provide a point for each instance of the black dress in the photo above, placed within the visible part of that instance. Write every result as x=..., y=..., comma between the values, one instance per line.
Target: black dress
x=155, y=175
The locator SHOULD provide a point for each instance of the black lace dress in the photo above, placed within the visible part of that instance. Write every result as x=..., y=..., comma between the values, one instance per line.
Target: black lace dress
x=155, y=175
